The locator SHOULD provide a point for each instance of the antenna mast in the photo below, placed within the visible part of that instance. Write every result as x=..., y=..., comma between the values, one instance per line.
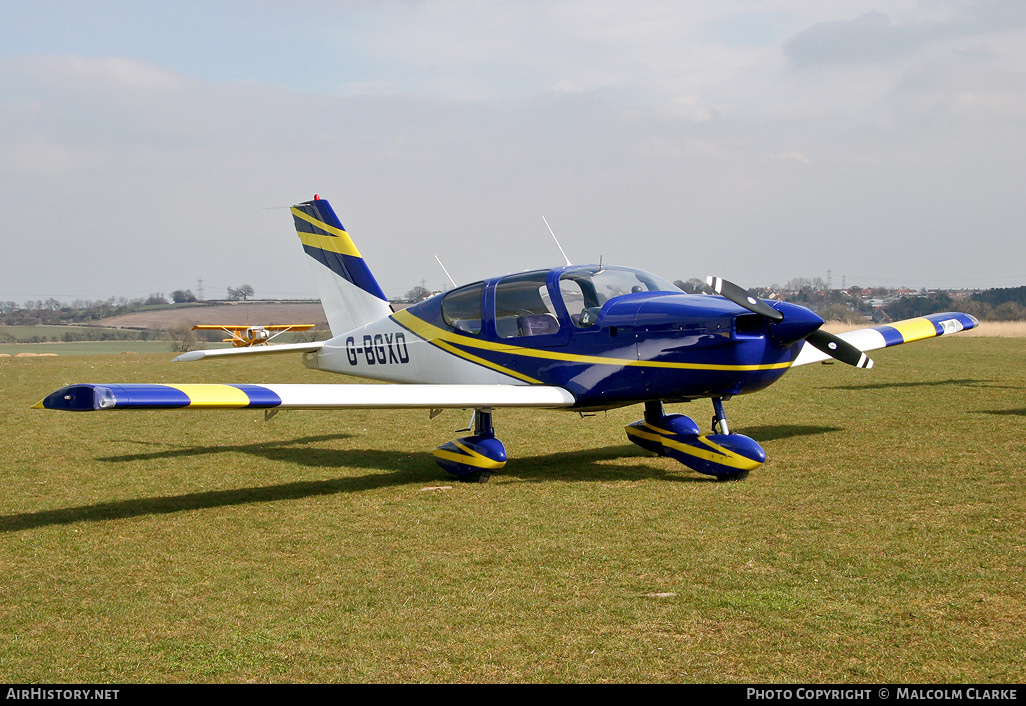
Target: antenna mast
x=446, y=272
x=565, y=258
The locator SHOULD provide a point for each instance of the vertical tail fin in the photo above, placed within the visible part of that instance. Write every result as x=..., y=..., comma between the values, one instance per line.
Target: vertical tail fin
x=350, y=295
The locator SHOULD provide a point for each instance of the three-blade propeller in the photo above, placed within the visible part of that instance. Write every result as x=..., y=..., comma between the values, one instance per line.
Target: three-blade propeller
x=830, y=344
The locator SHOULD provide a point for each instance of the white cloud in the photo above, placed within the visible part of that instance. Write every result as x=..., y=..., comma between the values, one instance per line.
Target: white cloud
x=39, y=156
x=113, y=72
x=672, y=136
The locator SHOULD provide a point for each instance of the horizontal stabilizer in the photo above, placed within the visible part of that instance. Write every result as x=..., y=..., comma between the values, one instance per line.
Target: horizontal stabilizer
x=92, y=397
x=887, y=335
x=252, y=350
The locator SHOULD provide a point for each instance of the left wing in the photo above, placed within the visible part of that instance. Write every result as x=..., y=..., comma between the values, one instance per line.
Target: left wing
x=93, y=397
x=887, y=335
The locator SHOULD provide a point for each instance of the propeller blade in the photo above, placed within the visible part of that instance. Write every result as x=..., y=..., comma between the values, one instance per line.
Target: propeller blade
x=741, y=297
x=840, y=349
x=830, y=344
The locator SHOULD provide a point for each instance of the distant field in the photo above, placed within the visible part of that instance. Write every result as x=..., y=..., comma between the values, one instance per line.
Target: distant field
x=235, y=313
x=884, y=541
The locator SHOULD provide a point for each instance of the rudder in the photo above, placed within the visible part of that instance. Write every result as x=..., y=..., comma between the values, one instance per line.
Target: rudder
x=350, y=295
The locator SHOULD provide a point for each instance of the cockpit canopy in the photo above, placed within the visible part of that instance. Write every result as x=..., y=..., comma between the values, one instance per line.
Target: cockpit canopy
x=522, y=304
x=585, y=289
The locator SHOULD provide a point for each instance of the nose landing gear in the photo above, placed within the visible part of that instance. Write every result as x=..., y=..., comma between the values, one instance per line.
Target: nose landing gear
x=721, y=454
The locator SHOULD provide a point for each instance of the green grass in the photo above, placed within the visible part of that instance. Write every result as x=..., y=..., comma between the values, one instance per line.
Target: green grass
x=883, y=541
x=86, y=348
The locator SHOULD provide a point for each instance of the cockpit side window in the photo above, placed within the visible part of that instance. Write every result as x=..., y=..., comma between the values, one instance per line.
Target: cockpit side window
x=523, y=306
x=580, y=300
x=461, y=308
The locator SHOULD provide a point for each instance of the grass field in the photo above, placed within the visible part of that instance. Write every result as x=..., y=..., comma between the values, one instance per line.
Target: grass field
x=883, y=541
x=85, y=348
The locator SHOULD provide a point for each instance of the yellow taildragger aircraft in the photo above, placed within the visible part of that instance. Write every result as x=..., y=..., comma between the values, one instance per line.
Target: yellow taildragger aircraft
x=244, y=336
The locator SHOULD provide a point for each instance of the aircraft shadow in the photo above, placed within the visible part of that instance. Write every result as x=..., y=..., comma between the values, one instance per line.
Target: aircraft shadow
x=924, y=383
x=398, y=470
x=775, y=432
x=1012, y=412
x=268, y=449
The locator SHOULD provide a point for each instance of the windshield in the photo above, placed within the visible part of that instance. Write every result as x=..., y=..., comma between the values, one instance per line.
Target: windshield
x=588, y=288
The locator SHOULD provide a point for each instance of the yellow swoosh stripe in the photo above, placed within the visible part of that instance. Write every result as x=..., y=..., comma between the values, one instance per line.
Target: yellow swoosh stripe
x=718, y=455
x=471, y=459
x=438, y=336
x=338, y=242
x=487, y=363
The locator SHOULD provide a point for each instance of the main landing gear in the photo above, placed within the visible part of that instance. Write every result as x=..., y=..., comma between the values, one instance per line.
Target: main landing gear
x=721, y=454
x=473, y=458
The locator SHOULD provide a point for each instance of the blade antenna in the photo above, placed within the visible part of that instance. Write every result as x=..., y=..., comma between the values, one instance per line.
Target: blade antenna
x=446, y=272
x=565, y=258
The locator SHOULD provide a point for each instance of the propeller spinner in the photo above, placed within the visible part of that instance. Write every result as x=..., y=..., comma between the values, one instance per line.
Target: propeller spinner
x=830, y=344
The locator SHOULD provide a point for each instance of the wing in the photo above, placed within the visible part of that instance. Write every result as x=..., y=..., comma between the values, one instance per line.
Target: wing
x=887, y=335
x=95, y=397
x=252, y=350
x=219, y=327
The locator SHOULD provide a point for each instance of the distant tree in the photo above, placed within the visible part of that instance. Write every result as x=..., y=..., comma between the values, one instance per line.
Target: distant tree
x=244, y=292
x=418, y=294
x=692, y=286
x=994, y=297
x=840, y=312
x=180, y=296
x=155, y=299
x=182, y=337
x=910, y=307
x=1009, y=311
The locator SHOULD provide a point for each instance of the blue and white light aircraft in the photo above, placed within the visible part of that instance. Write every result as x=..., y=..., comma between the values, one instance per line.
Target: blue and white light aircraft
x=578, y=338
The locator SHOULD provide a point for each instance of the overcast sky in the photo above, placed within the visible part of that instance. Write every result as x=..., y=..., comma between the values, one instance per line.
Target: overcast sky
x=145, y=146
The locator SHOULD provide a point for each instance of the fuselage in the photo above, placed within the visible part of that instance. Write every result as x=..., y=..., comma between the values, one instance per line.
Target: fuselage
x=610, y=335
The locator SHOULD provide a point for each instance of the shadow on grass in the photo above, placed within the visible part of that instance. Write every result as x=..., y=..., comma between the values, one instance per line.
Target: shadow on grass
x=417, y=468
x=775, y=432
x=273, y=450
x=921, y=383
x=1009, y=412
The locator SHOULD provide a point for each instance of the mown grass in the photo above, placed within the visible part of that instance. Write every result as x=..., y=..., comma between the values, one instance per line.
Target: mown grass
x=883, y=541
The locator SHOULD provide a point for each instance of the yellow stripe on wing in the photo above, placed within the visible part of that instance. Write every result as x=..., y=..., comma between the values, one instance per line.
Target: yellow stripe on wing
x=915, y=329
x=218, y=396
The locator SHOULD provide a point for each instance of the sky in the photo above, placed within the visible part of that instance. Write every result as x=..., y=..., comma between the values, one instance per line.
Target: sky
x=152, y=146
